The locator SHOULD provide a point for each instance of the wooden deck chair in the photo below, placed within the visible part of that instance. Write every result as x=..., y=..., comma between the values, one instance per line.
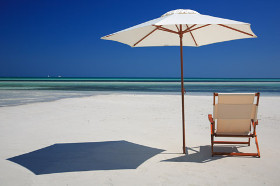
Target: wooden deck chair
x=233, y=115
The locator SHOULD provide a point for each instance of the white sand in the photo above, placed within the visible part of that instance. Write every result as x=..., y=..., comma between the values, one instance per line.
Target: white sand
x=150, y=120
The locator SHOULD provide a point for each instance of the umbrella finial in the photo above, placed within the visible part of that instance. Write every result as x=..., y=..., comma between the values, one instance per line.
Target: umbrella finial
x=180, y=11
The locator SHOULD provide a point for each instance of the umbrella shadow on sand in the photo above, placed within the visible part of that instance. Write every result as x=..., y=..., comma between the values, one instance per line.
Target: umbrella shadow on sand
x=90, y=156
x=202, y=154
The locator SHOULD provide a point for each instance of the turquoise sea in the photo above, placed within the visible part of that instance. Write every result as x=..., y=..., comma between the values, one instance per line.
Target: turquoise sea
x=16, y=91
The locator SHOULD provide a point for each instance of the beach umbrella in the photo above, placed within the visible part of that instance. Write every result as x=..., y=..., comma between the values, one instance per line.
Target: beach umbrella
x=182, y=27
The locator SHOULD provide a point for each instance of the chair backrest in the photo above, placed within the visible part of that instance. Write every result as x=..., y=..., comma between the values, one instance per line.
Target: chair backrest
x=233, y=112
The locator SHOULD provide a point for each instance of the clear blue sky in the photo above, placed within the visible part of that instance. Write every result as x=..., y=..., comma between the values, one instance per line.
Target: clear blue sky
x=62, y=37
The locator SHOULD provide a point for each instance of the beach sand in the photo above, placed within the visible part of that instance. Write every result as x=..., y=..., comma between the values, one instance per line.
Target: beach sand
x=149, y=120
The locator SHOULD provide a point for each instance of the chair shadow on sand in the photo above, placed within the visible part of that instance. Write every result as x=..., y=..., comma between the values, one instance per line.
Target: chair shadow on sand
x=90, y=156
x=202, y=154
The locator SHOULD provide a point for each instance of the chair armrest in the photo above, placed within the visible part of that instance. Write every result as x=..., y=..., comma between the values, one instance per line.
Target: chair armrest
x=254, y=124
x=212, y=123
x=210, y=118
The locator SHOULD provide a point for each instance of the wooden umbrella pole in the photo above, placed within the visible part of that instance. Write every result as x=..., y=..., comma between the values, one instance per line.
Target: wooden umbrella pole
x=182, y=88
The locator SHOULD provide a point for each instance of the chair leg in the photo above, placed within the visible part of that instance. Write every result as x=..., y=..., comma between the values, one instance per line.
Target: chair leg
x=212, y=143
x=249, y=141
x=257, y=145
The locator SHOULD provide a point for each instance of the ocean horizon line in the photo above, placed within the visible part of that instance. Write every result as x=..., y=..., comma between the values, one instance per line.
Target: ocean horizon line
x=139, y=79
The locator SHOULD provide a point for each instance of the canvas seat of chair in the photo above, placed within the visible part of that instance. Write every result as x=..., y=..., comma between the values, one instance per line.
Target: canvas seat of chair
x=234, y=113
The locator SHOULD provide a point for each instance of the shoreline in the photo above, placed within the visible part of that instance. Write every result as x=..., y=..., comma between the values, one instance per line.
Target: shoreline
x=22, y=97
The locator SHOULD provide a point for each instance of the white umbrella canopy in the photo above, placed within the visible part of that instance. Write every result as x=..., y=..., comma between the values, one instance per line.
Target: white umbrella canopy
x=198, y=30
x=182, y=27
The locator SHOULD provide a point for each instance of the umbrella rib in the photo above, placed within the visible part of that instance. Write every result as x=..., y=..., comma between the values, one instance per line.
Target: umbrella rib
x=189, y=28
x=177, y=28
x=192, y=36
x=145, y=37
x=195, y=28
x=108, y=35
x=166, y=29
x=236, y=30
